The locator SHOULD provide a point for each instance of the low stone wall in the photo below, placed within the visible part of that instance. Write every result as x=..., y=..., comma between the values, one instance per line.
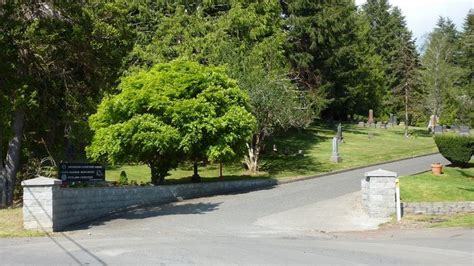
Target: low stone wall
x=47, y=206
x=435, y=208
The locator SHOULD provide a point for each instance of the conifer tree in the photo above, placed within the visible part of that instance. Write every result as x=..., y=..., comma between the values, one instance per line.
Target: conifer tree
x=325, y=52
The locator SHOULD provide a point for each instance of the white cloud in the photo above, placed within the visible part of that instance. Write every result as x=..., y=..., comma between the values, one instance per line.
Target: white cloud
x=421, y=15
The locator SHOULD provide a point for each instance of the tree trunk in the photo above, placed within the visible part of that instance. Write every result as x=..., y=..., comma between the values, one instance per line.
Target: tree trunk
x=220, y=171
x=406, y=110
x=156, y=177
x=3, y=192
x=12, y=160
x=251, y=160
x=196, y=178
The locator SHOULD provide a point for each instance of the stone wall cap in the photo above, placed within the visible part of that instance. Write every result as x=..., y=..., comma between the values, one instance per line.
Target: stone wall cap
x=41, y=181
x=380, y=173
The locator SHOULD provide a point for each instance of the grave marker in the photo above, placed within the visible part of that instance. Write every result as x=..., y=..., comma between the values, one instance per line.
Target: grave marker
x=339, y=133
x=335, y=158
x=464, y=130
x=438, y=129
x=371, y=117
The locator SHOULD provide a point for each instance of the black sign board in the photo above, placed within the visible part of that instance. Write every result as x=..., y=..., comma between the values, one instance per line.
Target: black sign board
x=81, y=171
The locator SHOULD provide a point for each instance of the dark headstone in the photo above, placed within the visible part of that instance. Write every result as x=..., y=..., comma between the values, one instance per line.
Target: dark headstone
x=438, y=129
x=393, y=120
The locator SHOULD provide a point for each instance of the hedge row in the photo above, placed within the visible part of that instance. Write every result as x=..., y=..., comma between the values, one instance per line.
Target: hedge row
x=457, y=149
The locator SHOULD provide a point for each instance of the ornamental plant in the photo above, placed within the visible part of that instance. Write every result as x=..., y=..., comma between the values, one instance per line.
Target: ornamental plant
x=170, y=113
x=457, y=149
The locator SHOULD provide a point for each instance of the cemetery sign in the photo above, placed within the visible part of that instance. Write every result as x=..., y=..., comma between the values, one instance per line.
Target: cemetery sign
x=81, y=172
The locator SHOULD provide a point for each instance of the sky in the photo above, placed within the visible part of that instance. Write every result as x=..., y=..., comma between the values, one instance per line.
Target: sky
x=421, y=15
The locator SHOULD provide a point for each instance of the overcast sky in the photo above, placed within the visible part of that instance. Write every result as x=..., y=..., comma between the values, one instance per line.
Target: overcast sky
x=421, y=15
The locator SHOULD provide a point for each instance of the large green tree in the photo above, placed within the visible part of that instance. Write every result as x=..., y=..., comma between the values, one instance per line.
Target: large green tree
x=56, y=59
x=246, y=36
x=393, y=42
x=439, y=74
x=172, y=112
x=329, y=56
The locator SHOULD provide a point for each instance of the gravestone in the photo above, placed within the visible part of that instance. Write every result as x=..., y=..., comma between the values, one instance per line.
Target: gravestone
x=361, y=124
x=335, y=158
x=378, y=125
x=339, y=133
x=370, y=135
x=371, y=117
x=438, y=130
x=402, y=124
x=393, y=120
x=275, y=150
x=464, y=130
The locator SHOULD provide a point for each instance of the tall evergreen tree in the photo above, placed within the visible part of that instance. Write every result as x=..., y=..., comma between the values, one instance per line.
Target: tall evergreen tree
x=389, y=35
x=406, y=70
x=57, y=60
x=325, y=52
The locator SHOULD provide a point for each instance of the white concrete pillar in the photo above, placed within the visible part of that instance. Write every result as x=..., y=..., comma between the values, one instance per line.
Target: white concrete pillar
x=38, y=195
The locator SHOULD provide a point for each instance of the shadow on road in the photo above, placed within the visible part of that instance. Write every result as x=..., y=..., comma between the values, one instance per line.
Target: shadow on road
x=144, y=212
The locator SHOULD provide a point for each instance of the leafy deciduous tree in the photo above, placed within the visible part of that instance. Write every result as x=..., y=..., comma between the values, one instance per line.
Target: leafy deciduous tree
x=175, y=111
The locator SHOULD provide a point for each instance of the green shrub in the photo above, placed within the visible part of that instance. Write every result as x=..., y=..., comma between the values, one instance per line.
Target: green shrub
x=123, y=180
x=457, y=149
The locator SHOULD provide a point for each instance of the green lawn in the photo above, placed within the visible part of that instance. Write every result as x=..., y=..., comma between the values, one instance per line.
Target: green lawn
x=455, y=184
x=357, y=150
x=11, y=224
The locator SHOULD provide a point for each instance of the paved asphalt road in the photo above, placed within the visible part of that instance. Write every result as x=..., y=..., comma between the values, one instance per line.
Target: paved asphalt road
x=225, y=230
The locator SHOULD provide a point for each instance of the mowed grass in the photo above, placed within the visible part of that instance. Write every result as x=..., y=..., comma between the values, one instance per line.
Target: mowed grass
x=455, y=184
x=316, y=144
x=11, y=224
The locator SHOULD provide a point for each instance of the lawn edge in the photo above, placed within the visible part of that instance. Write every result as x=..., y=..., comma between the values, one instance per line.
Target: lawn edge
x=286, y=180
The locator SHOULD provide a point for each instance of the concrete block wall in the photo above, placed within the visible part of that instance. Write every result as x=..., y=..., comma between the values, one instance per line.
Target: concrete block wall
x=436, y=208
x=49, y=207
x=378, y=193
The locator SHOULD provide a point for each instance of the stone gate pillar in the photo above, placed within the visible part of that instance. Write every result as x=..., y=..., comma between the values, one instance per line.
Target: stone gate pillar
x=38, y=195
x=378, y=193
